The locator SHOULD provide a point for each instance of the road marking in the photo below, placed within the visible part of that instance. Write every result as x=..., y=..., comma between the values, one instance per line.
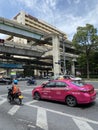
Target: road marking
x=64, y=114
x=3, y=101
x=3, y=95
x=82, y=125
x=29, y=90
x=31, y=126
x=13, y=110
x=28, y=103
x=42, y=119
x=28, y=122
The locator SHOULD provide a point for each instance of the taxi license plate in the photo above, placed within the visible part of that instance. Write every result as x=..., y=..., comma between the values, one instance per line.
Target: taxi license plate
x=21, y=96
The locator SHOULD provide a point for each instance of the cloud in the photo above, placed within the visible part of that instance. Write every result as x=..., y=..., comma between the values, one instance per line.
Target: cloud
x=65, y=19
x=39, y=5
x=66, y=15
x=70, y=22
x=73, y=1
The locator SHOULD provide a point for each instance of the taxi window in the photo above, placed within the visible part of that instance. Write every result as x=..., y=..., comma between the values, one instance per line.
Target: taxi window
x=61, y=84
x=78, y=83
x=50, y=84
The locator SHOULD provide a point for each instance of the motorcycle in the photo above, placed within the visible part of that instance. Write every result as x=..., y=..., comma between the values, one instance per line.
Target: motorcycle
x=31, y=81
x=17, y=98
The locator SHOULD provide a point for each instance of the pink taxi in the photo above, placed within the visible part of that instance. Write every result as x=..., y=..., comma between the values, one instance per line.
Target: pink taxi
x=68, y=91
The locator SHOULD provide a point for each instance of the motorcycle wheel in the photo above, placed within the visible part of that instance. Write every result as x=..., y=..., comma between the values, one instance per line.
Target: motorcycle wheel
x=9, y=98
x=20, y=101
x=35, y=83
x=28, y=83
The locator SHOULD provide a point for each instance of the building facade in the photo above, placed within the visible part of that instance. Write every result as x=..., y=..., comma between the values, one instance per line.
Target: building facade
x=60, y=52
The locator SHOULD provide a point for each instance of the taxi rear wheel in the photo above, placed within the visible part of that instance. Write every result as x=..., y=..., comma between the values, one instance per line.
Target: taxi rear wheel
x=71, y=101
x=37, y=96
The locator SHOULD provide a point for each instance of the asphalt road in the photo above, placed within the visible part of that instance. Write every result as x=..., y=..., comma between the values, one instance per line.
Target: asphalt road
x=45, y=115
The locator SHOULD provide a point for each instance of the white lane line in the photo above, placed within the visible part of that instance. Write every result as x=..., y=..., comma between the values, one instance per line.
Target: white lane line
x=42, y=119
x=29, y=90
x=31, y=126
x=28, y=103
x=3, y=101
x=3, y=95
x=13, y=110
x=64, y=114
x=28, y=122
x=82, y=125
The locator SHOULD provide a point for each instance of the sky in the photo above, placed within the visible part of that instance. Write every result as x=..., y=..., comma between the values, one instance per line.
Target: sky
x=66, y=15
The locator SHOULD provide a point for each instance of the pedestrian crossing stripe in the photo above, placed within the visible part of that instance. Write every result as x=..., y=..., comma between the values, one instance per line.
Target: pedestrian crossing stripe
x=61, y=113
x=42, y=119
x=82, y=125
x=13, y=110
x=3, y=100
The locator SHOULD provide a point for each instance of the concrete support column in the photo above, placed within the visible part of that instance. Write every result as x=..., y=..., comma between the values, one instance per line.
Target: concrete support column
x=73, y=67
x=42, y=73
x=8, y=72
x=36, y=72
x=56, y=54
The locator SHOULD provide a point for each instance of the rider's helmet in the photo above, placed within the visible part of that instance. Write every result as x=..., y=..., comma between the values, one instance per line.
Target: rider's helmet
x=15, y=81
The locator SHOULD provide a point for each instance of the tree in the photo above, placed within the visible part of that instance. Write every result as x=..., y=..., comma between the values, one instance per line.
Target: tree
x=86, y=40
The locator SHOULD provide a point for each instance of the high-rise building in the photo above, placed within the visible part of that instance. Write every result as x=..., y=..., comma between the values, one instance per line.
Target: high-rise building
x=60, y=51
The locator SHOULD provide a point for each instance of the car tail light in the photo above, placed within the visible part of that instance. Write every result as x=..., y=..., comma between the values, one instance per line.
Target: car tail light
x=88, y=91
x=91, y=91
x=84, y=91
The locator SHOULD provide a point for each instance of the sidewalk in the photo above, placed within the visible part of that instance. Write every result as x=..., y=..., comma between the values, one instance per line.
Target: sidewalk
x=90, y=80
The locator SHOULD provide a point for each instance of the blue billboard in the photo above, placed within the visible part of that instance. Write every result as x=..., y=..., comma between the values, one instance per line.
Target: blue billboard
x=5, y=65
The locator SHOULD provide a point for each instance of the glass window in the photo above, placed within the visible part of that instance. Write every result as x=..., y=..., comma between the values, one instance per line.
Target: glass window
x=78, y=83
x=61, y=84
x=50, y=84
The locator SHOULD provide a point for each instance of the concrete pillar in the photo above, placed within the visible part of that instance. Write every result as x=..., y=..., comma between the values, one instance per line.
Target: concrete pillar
x=42, y=73
x=36, y=72
x=56, y=54
x=8, y=72
x=73, y=67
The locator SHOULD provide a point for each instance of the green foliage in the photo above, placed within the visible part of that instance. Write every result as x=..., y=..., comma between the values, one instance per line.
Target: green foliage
x=86, y=42
x=86, y=38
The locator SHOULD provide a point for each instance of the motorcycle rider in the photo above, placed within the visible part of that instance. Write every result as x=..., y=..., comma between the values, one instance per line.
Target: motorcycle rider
x=15, y=89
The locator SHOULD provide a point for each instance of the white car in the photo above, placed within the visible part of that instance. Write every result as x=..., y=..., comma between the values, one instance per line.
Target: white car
x=65, y=77
x=72, y=77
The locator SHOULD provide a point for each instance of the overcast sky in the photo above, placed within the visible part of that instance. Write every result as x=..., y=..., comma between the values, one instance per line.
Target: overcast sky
x=66, y=15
